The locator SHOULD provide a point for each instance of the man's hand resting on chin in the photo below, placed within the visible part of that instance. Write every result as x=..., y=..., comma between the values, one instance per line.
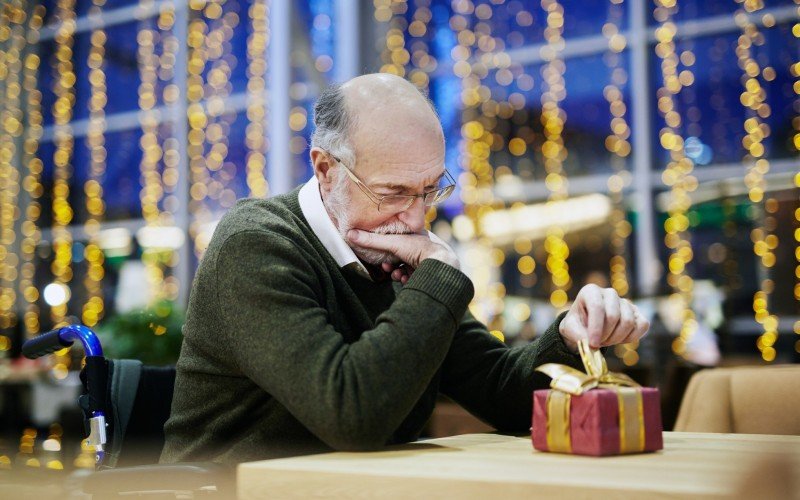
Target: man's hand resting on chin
x=409, y=249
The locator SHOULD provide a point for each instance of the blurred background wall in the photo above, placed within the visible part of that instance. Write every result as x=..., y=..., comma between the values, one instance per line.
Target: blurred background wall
x=649, y=146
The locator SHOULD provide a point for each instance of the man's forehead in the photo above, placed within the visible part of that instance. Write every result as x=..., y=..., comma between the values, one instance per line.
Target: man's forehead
x=400, y=173
x=402, y=150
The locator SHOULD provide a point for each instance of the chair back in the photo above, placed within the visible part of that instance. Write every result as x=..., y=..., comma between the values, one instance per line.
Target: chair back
x=744, y=400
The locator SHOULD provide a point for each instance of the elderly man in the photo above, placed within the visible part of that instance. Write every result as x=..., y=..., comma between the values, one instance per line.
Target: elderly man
x=328, y=318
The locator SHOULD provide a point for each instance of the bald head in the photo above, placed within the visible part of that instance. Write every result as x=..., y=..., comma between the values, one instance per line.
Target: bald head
x=390, y=114
x=381, y=90
x=377, y=116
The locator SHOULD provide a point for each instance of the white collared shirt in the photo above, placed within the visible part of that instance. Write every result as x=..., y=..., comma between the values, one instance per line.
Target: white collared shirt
x=317, y=216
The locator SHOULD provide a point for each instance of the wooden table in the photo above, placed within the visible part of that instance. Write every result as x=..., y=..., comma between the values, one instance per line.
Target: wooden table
x=695, y=465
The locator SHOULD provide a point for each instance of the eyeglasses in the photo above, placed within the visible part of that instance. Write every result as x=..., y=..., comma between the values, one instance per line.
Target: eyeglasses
x=396, y=203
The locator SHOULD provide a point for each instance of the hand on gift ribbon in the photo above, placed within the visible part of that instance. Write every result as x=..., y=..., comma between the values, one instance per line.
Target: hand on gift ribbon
x=603, y=317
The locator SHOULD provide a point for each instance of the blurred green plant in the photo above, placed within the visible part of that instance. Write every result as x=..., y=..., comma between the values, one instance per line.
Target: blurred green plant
x=152, y=335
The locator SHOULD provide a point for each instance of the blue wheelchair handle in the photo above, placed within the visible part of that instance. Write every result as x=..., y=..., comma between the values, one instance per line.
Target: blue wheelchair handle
x=60, y=338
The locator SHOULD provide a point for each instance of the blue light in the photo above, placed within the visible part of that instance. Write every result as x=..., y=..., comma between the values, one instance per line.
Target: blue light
x=696, y=151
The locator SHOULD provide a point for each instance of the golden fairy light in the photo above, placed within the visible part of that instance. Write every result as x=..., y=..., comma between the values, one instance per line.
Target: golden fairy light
x=13, y=36
x=754, y=98
x=64, y=145
x=795, y=72
x=170, y=175
x=618, y=144
x=26, y=456
x=209, y=124
x=93, y=189
x=152, y=190
x=394, y=55
x=197, y=57
x=678, y=172
x=421, y=62
x=31, y=183
x=476, y=53
x=255, y=135
x=553, y=150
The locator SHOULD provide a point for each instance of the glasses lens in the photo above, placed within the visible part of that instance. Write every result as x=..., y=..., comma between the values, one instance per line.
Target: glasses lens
x=438, y=196
x=394, y=204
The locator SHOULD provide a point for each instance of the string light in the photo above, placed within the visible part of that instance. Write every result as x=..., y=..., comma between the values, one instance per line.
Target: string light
x=422, y=63
x=677, y=174
x=256, y=137
x=152, y=190
x=320, y=36
x=394, y=54
x=196, y=115
x=756, y=130
x=477, y=177
x=26, y=457
x=795, y=72
x=169, y=144
x=12, y=128
x=209, y=172
x=32, y=181
x=553, y=150
x=64, y=141
x=52, y=448
x=219, y=121
x=617, y=143
x=95, y=207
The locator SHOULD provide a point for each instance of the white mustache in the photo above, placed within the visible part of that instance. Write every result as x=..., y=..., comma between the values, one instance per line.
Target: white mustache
x=395, y=227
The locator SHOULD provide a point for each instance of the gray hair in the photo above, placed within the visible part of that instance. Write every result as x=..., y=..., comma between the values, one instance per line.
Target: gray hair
x=333, y=123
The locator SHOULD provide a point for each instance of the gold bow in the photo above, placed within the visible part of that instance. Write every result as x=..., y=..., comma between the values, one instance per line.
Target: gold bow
x=572, y=381
x=567, y=381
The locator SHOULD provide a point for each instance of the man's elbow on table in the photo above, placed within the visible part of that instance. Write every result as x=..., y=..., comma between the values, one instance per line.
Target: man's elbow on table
x=364, y=429
x=346, y=439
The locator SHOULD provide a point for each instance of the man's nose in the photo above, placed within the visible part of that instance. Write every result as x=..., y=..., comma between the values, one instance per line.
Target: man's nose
x=414, y=216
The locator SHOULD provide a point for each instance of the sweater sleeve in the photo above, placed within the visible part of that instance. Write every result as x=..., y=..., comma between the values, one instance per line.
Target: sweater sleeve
x=495, y=382
x=350, y=395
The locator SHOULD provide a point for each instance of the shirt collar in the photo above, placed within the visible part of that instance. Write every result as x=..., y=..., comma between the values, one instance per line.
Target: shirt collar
x=317, y=216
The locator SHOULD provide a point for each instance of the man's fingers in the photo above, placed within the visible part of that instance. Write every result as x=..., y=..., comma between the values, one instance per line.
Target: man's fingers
x=371, y=240
x=406, y=247
x=613, y=314
x=572, y=330
x=595, y=314
x=625, y=325
x=642, y=326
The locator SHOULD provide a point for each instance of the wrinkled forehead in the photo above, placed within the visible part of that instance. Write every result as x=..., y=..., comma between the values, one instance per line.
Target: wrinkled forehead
x=396, y=135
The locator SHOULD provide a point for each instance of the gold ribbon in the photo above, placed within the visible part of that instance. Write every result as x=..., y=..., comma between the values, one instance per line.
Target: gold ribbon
x=567, y=381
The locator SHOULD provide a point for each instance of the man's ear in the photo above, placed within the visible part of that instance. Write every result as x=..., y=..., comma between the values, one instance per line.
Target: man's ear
x=321, y=161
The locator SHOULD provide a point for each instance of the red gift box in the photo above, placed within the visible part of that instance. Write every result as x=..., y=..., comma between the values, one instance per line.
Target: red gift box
x=594, y=422
x=594, y=413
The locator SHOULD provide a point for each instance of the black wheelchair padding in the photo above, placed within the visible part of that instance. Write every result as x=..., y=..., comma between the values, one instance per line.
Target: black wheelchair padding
x=144, y=435
x=136, y=400
x=96, y=369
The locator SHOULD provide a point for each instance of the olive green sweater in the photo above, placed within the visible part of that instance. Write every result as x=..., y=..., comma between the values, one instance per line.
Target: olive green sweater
x=285, y=353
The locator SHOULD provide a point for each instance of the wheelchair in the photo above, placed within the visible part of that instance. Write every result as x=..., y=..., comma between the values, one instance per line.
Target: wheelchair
x=125, y=405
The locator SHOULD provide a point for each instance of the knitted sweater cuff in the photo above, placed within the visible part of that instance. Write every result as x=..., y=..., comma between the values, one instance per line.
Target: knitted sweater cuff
x=552, y=348
x=444, y=284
